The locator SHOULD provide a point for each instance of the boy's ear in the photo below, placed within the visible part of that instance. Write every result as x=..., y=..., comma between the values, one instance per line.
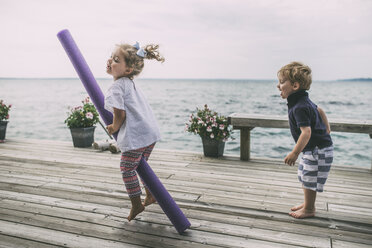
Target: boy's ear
x=296, y=86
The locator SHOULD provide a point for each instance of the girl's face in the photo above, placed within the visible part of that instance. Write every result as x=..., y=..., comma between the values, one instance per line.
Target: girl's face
x=286, y=87
x=116, y=65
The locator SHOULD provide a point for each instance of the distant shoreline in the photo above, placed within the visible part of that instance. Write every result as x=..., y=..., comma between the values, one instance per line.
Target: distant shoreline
x=356, y=79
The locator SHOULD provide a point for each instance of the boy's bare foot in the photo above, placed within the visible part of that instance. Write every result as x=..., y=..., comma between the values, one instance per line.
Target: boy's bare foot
x=148, y=200
x=302, y=213
x=135, y=211
x=295, y=208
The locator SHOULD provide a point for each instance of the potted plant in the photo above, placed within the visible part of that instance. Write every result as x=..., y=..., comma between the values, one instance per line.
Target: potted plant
x=4, y=116
x=81, y=122
x=212, y=128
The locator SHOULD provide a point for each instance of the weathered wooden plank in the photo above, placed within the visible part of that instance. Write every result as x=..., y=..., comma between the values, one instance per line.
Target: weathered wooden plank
x=16, y=242
x=345, y=244
x=353, y=210
x=58, y=238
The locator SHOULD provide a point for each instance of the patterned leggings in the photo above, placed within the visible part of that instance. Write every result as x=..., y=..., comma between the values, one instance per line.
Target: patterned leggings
x=128, y=165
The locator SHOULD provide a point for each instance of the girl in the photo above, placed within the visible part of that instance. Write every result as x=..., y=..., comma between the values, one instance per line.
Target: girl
x=133, y=118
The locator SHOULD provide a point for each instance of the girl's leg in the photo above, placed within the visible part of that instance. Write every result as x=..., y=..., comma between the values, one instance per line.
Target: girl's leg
x=128, y=165
x=148, y=150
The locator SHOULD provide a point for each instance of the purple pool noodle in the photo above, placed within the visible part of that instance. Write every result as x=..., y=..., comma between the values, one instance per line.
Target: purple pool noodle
x=161, y=195
x=85, y=75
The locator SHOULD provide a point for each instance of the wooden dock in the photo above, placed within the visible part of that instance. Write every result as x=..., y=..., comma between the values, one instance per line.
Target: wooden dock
x=54, y=195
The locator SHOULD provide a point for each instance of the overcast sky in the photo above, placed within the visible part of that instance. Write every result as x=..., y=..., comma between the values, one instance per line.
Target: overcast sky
x=198, y=38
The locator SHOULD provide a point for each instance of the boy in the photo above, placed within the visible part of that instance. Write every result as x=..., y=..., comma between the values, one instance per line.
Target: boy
x=310, y=130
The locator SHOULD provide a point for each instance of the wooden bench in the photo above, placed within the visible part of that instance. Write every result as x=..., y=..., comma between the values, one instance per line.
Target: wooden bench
x=246, y=122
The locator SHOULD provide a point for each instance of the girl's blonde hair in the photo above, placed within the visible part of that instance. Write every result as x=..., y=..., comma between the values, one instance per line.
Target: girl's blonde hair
x=297, y=72
x=136, y=62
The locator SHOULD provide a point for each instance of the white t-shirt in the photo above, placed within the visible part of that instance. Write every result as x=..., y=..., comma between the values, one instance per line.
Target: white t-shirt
x=140, y=128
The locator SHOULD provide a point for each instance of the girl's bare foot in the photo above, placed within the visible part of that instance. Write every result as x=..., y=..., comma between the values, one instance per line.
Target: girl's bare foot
x=135, y=211
x=303, y=213
x=137, y=207
x=149, y=198
x=295, y=208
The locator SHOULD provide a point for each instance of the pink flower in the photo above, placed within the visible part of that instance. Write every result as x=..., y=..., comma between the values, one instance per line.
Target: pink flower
x=212, y=136
x=222, y=126
x=89, y=115
x=209, y=129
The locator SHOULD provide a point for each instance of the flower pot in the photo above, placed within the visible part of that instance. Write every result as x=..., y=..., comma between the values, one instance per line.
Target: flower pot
x=3, y=125
x=213, y=147
x=82, y=137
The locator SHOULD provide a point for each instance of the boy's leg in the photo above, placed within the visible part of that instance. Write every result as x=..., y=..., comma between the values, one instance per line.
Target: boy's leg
x=128, y=165
x=307, y=175
x=313, y=172
x=308, y=207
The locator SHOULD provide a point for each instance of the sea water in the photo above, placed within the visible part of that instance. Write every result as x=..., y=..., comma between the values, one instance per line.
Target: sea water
x=40, y=106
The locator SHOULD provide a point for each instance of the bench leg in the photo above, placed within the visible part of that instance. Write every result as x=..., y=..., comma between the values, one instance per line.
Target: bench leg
x=245, y=140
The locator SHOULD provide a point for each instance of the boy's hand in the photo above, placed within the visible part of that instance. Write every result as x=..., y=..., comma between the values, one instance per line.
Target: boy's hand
x=291, y=158
x=110, y=129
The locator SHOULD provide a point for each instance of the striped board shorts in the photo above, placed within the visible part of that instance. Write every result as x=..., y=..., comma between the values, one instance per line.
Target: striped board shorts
x=314, y=168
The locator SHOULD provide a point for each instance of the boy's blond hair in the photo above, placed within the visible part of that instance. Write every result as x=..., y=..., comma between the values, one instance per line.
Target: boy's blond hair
x=297, y=72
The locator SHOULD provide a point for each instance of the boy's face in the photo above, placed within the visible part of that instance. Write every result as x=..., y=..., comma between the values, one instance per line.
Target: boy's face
x=286, y=87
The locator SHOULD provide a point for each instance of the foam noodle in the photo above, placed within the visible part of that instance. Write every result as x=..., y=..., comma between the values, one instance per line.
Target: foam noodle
x=153, y=183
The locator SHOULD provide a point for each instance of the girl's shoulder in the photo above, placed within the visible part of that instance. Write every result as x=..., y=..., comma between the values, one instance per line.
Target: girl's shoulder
x=123, y=86
x=124, y=83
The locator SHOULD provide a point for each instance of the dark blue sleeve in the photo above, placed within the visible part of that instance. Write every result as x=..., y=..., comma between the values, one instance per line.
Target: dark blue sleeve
x=302, y=117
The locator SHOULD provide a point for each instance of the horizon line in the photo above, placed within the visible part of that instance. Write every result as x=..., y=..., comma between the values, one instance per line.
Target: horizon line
x=237, y=79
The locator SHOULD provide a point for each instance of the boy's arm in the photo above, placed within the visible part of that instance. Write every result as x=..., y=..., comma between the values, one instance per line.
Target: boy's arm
x=325, y=120
x=302, y=141
x=119, y=118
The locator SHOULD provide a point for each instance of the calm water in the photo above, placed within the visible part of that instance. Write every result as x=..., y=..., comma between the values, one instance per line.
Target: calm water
x=40, y=107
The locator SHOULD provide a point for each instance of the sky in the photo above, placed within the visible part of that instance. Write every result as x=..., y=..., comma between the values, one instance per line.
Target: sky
x=235, y=39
